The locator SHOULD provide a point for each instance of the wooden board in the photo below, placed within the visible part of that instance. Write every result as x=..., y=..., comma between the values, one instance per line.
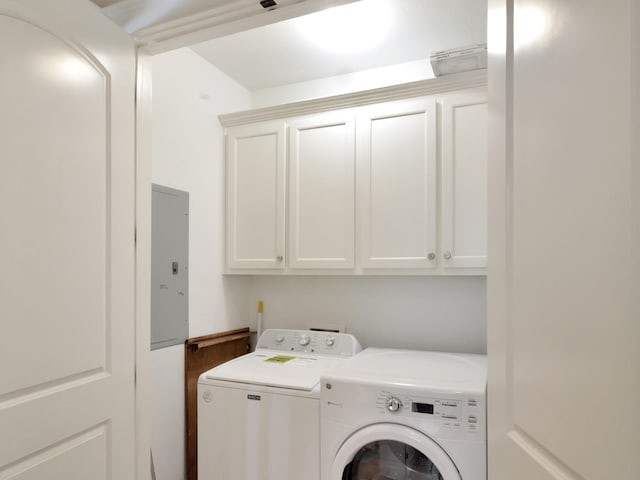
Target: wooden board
x=202, y=354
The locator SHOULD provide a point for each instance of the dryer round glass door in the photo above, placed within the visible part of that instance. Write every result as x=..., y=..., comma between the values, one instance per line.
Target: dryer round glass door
x=391, y=451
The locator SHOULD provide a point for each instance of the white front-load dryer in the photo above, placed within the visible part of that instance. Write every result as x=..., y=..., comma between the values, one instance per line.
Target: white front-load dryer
x=404, y=415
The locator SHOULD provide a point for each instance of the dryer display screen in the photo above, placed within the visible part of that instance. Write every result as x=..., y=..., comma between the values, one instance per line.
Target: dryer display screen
x=422, y=408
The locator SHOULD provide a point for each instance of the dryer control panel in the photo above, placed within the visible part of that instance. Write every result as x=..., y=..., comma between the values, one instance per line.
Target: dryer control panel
x=442, y=415
x=462, y=414
x=309, y=341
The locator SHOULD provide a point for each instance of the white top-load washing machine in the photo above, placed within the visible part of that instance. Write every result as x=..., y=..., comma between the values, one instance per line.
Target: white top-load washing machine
x=400, y=414
x=258, y=415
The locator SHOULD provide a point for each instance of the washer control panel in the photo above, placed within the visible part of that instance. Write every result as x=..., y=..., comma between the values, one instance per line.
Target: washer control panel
x=309, y=341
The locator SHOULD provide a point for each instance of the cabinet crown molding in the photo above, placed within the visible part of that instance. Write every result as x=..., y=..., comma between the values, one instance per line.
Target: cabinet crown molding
x=434, y=86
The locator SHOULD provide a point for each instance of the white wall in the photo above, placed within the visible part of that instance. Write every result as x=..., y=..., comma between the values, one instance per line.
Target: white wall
x=187, y=149
x=430, y=313
x=347, y=83
x=167, y=413
x=188, y=95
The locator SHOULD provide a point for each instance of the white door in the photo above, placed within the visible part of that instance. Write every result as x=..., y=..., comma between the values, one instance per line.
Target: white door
x=464, y=181
x=564, y=237
x=66, y=243
x=255, y=196
x=322, y=191
x=397, y=185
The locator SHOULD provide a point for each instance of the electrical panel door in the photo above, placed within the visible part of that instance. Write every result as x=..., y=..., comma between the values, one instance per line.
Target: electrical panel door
x=169, y=267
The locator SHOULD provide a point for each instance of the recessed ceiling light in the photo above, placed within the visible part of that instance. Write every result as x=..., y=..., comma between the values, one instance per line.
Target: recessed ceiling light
x=351, y=28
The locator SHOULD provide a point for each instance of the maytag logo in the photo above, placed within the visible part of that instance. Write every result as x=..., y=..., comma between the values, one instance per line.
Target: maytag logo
x=253, y=397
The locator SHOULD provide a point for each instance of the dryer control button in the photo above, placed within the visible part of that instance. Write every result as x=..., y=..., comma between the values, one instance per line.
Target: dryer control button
x=393, y=404
x=304, y=339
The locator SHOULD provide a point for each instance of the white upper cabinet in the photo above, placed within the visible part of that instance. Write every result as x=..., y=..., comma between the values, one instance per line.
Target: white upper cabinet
x=464, y=181
x=256, y=196
x=391, y=181
x=397, y=186
x=322, y=192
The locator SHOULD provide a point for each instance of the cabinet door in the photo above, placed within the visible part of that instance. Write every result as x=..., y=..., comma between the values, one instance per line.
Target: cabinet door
x=255, y=196
x=397, y=187
x=322, y=192
x=464, y=181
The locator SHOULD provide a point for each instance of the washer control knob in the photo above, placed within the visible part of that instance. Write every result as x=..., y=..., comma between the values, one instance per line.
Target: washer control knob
x=304, y=339
x=279, y=338
x=331, y=341
x=393, y=404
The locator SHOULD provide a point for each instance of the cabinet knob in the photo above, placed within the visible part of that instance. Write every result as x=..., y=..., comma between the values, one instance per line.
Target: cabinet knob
x=431, y=256
x=447, y=255
x=279, y=258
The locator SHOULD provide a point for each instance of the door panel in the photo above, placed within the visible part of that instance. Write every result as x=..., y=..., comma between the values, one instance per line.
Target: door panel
x=256, y=196
x=464, y=180
x=397, y=146
x=563, y=330
x=169, y=267
x=82, y=456
x=67, y=243
x=322, y=192
x=46, y=207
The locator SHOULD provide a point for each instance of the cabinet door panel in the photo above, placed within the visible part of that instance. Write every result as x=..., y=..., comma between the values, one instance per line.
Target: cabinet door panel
x=397, y=157
x=464, y=181
x=322, y=196
x=255, y=196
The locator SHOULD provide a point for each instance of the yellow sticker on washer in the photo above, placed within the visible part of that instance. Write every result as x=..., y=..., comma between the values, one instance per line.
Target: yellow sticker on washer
x=280, y=359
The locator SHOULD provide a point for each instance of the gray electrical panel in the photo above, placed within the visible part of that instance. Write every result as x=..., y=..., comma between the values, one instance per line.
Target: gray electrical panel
x=169, y=267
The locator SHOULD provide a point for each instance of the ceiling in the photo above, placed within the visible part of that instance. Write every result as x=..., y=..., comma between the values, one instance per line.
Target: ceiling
x=280, y=53
x=136, y=15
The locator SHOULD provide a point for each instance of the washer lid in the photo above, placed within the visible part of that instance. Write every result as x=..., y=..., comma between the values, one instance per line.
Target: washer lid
x=274, y=369
x=414, y=368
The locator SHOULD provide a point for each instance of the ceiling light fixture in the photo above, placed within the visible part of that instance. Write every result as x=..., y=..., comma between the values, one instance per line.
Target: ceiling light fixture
x=351, y=28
